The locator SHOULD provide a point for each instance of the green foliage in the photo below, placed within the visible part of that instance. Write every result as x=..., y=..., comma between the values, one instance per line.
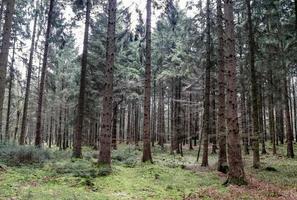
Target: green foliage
x=126, y=156
x=15, y=155
x=77, y=168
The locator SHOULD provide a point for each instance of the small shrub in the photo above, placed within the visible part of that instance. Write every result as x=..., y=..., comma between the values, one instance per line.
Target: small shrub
x=126, y=156
x=79, y=168
x=104, y=170
x=22, y=155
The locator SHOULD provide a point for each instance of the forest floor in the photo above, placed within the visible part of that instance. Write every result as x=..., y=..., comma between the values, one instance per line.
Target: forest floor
x=170, y=177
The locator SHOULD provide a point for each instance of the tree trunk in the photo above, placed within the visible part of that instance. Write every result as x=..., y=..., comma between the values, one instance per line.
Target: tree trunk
x=11, y=78
x=147, y=155
x=290, y=137
x=271, y=111
x=4, y=53
x=38, y=136
x=236, y=171
x=28, y=84
x=106, y=129
x=255, y=138
x=77, y=142
x=206, y=123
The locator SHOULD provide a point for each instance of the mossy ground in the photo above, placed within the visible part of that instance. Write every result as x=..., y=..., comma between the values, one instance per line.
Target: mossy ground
x=170, y=177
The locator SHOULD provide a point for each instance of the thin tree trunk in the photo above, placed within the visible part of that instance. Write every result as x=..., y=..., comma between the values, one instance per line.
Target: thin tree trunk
x=255, y=138
x=106, y=129
x=28, y=84
x=206, y=124
x=38, y=136
x=77, y=142
x=290, y=137
x=147, y=155
x=11, y=78
x=4, y=54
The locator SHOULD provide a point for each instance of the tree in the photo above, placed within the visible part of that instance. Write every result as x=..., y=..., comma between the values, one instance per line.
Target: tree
x=38, y=136
x=222, y=161
x=206, y=120
x=255, y=138
x=81, y=101
x=28, y=80
x=106, y=121
x=236, y=171
x=10, y=7
x=147, y=155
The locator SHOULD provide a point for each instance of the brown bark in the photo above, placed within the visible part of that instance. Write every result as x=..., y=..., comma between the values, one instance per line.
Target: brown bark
x=10, y=7
x=236, y=173
x=222, y=160
x=77, y=142
x=106, y=122
x=38, y=136
x=271, y=112
x=28, y=83
x=206, y=120
x=11, y=78
x=147, y=155
x=290, y=137
x=255, y=101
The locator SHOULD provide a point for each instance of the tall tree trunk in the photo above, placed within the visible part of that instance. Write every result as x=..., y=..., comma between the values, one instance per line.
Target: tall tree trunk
x=255, y=138
x=77, y=142
x=38, y=136
x=261, y=119
x=4, y=53
x=147, y=155
x=290, y=137
x=206, y=123
x=236, y=171
x=11, y=78
x=271, y=111
x=28, y=83
x=106, y=129
x=222, y=160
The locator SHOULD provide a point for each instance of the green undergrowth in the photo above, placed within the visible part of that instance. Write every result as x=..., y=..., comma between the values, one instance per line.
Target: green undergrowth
x=66, y=178
x=169, y=177
x=276, y=169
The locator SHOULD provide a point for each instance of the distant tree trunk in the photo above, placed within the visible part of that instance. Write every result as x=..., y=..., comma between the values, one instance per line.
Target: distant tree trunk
x=4, y=53
x=106, y=129
x=222, y=160
x=271, y=110
x=136, y=123
x=206, y=120
x=255, y=138
x=161, y=126
x=38, y=136
x=153, y=119
x=77, y=142
x=11, y=78
x=16, y=125
x=28, y=84
x=290, y=137
x=129, y=114
x=114, y=126
x=147, y=155
x=214, y=118
x=236, y=171
x=261, y=120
